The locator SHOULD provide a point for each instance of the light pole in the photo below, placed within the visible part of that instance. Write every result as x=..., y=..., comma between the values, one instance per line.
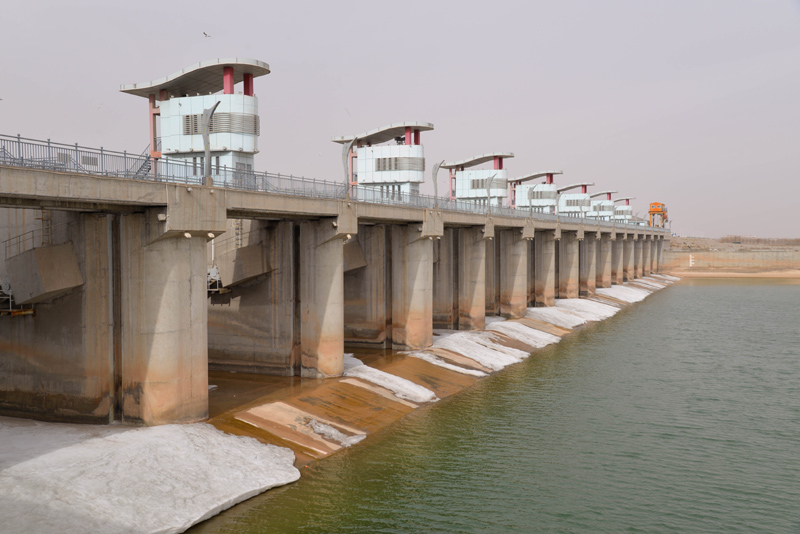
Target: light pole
x=205, y=128
x=434, y=172
x=345, y=155
x=489, y=194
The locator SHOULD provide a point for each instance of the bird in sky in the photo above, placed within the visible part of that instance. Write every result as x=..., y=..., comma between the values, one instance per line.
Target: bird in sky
x=205, y=34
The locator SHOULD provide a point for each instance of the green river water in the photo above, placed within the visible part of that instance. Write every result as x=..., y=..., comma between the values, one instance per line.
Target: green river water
x=679, y=414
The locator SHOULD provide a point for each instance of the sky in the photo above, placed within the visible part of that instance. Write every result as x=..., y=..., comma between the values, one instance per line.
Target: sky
x=694, y=103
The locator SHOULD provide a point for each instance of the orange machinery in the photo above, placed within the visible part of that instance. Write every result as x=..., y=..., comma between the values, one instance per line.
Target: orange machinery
x=658, y=214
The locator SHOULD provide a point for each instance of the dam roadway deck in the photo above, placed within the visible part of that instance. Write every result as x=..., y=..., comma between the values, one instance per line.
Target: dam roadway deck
x=124, y=326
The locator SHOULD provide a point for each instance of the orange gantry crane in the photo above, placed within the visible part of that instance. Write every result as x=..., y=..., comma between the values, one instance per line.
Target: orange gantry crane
x=658, y=214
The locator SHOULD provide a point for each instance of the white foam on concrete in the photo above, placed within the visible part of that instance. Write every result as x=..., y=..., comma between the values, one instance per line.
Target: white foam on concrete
x=588, y=309
x=667, y=277
x=556, y=316
x=404, y=389
x=328, y=432
x=648, y=284
x=112, y=479
x=624, y=293
x=435, y=360
x=482, y=348
x=493, y=319
x=529, y=336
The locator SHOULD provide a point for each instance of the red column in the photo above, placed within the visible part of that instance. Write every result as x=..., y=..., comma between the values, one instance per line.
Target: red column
x=408, y=135
x=583, y=189
x=248, y=84
x=227, y=80
x=549, y=178
x=498, y=163
x=608, y=196
x=416, y=137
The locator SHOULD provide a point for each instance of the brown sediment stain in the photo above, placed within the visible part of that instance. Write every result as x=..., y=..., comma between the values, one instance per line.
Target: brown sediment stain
x=544, y=327
x=610, y=301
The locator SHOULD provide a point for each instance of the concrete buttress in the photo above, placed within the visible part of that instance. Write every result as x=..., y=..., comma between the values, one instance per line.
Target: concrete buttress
x=513, y=268
x=545, y=260
x=588, y=264
x=412, y=291
x=365, y=287
x=568, y=266
x=321, y=299
x=471, y=278
x=605, y=258
x=638, y=248
x=445, y=279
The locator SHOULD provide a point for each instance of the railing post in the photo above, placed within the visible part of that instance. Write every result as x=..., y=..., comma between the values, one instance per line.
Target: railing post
x=76, y=156
x=102, y=167
x=49, y=155
x=19, y=149
x=125, y=163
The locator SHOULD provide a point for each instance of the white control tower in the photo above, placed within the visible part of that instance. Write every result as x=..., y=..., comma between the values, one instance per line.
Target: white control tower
x=623, y=213
x=177, y=103
x=388, y=161
x=602, y=209
x=539, y=198
x=471, y=184
x=574, y=204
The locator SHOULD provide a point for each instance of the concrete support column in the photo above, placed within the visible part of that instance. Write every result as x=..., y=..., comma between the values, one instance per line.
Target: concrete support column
x=638, y=248
x=568, y=266
x=605, y=257
x=471, y=279
x=628, y=269
x=545, y=268
x=492, y=283
x=659, y=252
x=618, y=248
x=445, y=280
x=647, y=255
x=588, y=264
x=321, y=300
x=513, y=273
x=365, y=287
x=412, y=292
x=164, y=326
x=653, y=253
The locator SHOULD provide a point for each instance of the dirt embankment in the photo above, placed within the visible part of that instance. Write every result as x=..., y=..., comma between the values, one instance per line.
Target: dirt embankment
x=703, y=257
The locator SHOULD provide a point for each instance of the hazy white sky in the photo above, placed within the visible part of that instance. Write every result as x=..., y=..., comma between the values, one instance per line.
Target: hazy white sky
x=695, y=103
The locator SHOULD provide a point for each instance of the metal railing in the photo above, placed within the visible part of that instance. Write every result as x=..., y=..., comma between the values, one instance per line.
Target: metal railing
x=29, y=240
x=22, y=152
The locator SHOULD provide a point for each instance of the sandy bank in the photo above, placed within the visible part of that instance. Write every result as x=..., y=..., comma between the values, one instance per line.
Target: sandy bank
x=794, y=273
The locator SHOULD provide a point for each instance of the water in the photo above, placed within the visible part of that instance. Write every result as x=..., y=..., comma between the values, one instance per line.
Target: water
x=679, y=414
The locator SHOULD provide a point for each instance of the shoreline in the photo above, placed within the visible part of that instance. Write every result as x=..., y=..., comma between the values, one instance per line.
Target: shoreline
x=788, y=274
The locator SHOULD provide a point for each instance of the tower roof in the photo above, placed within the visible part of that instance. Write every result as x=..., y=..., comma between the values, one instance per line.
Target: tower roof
x=204, y=77
x=533, y=176
x=476, y=160
x=386, y=133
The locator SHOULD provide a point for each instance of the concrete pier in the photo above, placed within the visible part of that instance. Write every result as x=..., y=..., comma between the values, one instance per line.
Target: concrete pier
x=545, y=267
x=588, y=264
x=638, y=257
x=412, y=292
x=647, y=258
x=445, y=280
x=513, y=273
x=471, y=278
x=365, y=288
x=605, y=257
x=568, y=266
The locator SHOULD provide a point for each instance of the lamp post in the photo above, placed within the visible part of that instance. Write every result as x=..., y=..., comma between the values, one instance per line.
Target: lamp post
x=345, y=155
x=489, y=194
x=205, y=128
x=434, y=173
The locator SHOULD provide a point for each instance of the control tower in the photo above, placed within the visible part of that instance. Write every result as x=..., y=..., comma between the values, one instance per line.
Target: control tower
x=471, y=184
x=574, y=204
x=176, y=105
x=623, y=213
x=389, y=160
x=602, y=209
x=539, y=198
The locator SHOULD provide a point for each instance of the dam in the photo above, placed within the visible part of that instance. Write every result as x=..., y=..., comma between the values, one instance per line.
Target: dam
x=127, y=277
